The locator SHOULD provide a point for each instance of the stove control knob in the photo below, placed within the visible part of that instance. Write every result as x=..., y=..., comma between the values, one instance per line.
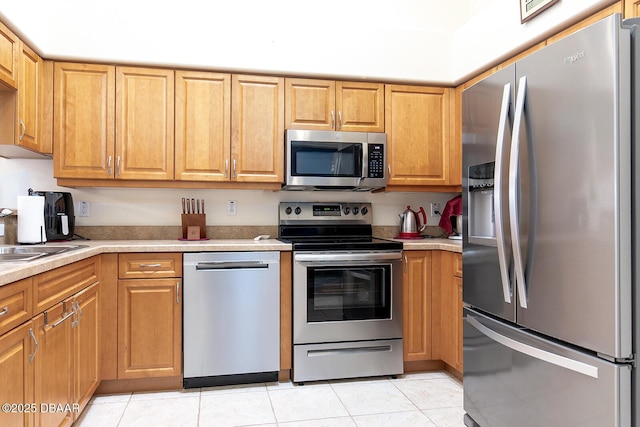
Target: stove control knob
x=346, y=211
x=298, y=210
x=355, y=211
x=364, y=210
x=288, y=210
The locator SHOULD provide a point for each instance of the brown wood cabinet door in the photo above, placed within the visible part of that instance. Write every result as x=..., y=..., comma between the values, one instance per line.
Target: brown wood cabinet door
x=203, y=126
x=17, y=374
x=84, y=107
x=86, y=335
x=360, y=106
x=416, y=322
x=417, y=126
x=149, y=328
x=9, y=48
x=631, y=8
x=28, y=93
x=53, y=365
x=459, y=324
x=311, y=104
x=257, y=129
x=144, y=123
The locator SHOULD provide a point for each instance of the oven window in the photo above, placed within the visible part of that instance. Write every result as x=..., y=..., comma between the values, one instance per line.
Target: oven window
x=348, y=293
x=326, y=159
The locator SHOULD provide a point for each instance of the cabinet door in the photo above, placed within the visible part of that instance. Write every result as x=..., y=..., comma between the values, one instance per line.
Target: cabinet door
x=459, y=323
x=86, y=335
x=360, y=106
x=631, y=8
x=203, y=126
x=84, y=106
x=257, y=129
x=9, y=48
x=16, y=374
x=53, y=365
x=417, y=126
x=144, y=123
x=149, y=328
x=416, y=282
x=310, y=104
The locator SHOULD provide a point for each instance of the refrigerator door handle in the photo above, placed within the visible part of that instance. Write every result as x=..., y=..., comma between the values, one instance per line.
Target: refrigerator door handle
x=513, y=191
x=537, y=353
x=497, y=194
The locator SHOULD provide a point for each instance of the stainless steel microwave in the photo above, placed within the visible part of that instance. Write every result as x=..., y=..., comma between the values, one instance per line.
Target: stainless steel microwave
x=326, y=160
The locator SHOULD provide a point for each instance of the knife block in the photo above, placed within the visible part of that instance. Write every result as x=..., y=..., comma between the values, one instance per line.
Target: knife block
x=194, y=226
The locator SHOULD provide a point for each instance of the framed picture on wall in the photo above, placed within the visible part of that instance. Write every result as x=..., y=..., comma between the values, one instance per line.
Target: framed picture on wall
x=531, y=8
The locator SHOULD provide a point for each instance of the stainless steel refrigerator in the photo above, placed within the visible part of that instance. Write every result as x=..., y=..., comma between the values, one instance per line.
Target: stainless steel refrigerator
x=550, y=235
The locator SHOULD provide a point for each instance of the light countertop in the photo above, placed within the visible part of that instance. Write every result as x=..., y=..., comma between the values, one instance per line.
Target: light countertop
x=13, y=271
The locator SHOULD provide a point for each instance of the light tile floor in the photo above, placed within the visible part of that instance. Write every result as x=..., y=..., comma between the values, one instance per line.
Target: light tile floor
x=431, y=399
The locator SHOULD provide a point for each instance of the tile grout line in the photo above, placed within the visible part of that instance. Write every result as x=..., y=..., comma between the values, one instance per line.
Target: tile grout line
x=125, y=409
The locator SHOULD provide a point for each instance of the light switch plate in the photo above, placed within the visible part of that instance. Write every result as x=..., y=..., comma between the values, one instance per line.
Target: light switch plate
x=232, y=207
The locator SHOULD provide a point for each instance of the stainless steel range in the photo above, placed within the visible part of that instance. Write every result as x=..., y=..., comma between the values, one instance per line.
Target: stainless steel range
x=347, y=292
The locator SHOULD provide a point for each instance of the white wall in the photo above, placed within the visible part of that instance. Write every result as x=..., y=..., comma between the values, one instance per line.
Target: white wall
x=420, y=41
x=123, y=206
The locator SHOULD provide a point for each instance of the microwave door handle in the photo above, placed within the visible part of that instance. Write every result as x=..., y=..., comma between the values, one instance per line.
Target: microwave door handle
x=365, y=161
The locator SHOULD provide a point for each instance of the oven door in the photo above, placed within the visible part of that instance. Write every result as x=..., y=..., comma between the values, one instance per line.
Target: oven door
x=346, y=296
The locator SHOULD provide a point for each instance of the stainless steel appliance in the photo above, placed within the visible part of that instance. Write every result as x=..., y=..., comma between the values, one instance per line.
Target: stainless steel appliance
x=551, y=327
x=231, y=318
x=326, y=160
x=347, y=292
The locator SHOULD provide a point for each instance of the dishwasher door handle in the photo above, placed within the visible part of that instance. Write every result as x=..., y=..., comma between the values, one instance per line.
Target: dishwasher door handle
x=231, y=265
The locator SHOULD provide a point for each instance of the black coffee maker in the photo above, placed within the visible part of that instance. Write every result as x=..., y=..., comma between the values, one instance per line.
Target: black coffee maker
x=59, y=219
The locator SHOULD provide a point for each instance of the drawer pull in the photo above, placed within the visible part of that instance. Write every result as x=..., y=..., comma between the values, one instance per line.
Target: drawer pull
x=5, y=310
x=35, y=349
x=150, y=265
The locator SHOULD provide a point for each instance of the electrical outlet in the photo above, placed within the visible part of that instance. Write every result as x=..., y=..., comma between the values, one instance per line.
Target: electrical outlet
x=84, y=208
x=435, y=209
x=232, y=207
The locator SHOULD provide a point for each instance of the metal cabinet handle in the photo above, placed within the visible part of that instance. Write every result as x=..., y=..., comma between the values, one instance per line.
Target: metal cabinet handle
x=177, y=292
x=235, y=168
x=150, y=265
x=406, y=263
x=60, y=321
x=226, y=168
x=339, y=120
x=5, y=310
x=389, y=170
x=24, y=129
x=333, y=119
x=109, y=165
x=35, y=349
x=118, y=166
x=79, y=310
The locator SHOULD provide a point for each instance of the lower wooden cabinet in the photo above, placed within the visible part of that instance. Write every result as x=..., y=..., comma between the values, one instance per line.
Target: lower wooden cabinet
x=85, y=346
x=416, y=311
x=448, y=300
x=149, y=315
x=17, y=374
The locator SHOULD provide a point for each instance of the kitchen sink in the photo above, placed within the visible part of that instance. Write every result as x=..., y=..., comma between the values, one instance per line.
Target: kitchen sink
x=30, y=253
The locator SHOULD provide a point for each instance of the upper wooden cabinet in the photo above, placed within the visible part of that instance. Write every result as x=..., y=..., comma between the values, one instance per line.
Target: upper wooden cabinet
x=144, y=123
x=631, y=8
x=257, y=129
x=35, y=102
x=84, y=121
x=9, y=48
x=419, y=136
x=203, y=126
x=329, y=105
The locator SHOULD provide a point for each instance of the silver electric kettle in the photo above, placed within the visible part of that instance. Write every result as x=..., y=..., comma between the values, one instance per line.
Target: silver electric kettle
x=410, y=223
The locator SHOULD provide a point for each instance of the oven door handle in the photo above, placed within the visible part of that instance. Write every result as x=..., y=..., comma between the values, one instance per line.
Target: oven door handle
x=332, y=257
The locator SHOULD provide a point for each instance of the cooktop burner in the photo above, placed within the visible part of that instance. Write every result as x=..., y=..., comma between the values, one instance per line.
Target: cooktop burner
x=330, y=226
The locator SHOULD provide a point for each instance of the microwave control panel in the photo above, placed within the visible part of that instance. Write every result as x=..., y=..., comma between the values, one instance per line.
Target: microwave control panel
x=376, y=161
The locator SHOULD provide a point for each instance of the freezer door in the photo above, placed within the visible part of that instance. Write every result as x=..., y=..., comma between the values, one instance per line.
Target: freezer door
x=513, y=378
x=487, y=112
x=570, y=189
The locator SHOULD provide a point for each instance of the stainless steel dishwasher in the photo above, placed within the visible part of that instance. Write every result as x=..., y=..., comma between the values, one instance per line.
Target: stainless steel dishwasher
x=231, y=318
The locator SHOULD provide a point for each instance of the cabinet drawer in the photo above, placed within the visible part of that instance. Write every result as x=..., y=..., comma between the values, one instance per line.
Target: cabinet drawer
x=56, y=285
x=149, y=265
x=15, y=304
x=457, y=265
